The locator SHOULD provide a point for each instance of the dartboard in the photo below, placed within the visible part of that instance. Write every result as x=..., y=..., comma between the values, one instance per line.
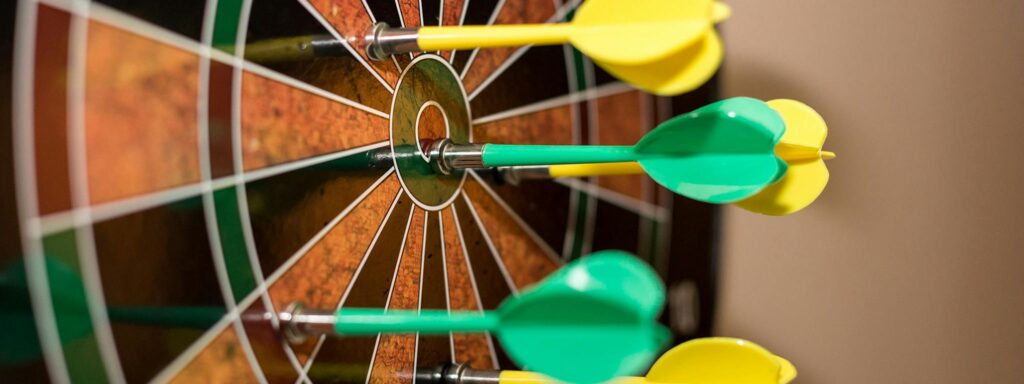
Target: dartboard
x=181, y=172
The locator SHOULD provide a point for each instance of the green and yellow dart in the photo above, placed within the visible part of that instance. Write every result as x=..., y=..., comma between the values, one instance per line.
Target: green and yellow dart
x=721, y=153
x=592, y=320
x=800, y=147
x=712, y=360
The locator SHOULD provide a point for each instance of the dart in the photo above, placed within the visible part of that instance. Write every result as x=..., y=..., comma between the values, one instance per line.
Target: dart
x=70, y=302
x=721, y=153
x=800, y=147
x=663, y=46
x=295, y=48
x=807, y=175
x=590, y=321
x=713, y=360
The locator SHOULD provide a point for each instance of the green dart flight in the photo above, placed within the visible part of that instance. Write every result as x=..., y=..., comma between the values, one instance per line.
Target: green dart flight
x=721, y=153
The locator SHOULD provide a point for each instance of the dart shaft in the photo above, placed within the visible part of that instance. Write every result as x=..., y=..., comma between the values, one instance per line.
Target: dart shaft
x=585, y=170
x=468, y=37
x=498, y=155
x=465, y=375
x=367, y=321
x=522, y=377
x=382, y=41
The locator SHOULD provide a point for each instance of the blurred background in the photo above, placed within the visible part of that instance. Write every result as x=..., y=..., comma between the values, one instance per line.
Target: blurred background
x=909, y=268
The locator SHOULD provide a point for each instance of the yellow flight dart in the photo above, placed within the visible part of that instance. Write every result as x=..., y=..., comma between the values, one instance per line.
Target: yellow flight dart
x=666, y=47
x=800, y=147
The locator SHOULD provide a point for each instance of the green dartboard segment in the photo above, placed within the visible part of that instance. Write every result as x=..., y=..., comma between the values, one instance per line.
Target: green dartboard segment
x=593, y=320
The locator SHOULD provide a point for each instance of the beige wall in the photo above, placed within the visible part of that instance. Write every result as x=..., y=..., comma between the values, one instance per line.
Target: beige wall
x=910, y=267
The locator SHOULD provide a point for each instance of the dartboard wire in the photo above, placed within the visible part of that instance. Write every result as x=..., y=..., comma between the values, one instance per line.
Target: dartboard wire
x=263, y=173
x=60, y=221
x=304, y=250
x=604, y=90
x=270, y=280
x=240, y=187
x=570, y=226
x=401, y=21
x=209, y=207
x=348, y=47
x=79, y=178
x=26, y=193
x=373, y=20
x=472, y=282
x=167, y=373
x=419, y=300
x=132, y=24
x=490, y=245
x=448, y=293
x=490, y=21
x=391, y=288
x=593, y=137
x=665, y=198
x=659, y=253
x=498, y=71
x=629, y=203
x=560, y=12
x=352, y=281
x=574, y=112
x=298, y=84
x=462, y=21
x=530, y=232
x=440, y=18
x=645, y=246
x=588, y=225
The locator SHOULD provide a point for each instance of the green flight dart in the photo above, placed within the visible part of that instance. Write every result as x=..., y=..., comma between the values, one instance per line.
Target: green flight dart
x=720, y=153
x=592, y=320
x=67, y=292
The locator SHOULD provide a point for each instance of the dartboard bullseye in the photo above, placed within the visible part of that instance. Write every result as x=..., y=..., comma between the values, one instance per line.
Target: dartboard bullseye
x=428, y=88
x=184, y=174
